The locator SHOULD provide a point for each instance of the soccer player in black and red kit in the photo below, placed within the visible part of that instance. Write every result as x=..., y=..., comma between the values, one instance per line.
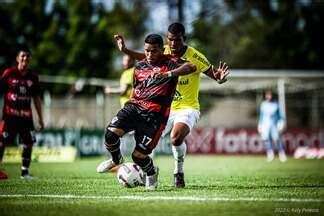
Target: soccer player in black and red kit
x=147, y=111
x=19, y=85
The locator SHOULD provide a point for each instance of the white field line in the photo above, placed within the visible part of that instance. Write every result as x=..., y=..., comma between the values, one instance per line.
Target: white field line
x=165, y=198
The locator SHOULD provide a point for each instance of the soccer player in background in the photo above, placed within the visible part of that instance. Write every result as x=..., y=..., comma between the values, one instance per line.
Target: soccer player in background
x=126, y=81
x=20, y=86
x=185, y=109
x=147, y=111
x=271, y=125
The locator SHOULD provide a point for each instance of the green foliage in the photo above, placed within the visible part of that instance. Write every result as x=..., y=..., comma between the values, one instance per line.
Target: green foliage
x=72, y=38
x=264, y=34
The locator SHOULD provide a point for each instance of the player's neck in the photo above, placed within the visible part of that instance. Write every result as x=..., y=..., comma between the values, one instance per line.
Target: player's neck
x=181, y=51
x=22, y=69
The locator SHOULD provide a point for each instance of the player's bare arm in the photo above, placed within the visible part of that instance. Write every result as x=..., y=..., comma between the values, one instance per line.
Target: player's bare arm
x=219, y=74
x=122, y=47
x=184, y=69
x=38, y=107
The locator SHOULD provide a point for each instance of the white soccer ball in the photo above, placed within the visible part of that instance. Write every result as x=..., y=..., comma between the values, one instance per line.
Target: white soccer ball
x=130, y=175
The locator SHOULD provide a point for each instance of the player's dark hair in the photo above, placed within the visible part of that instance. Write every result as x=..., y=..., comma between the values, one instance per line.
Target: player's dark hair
x=177, y=28
x=23, y=48
x=154, y=39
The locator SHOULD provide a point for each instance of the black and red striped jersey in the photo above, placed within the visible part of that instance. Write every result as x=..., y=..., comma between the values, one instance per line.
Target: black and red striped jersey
x=18, y=91
x=154, y=94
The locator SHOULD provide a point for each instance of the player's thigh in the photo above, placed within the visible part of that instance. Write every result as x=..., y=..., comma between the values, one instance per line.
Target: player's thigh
x=184, y=121
x=275, y=135
x=147, y=135
x=27, y=137
x=125, y=120
x=169, y=124
x=26, y=132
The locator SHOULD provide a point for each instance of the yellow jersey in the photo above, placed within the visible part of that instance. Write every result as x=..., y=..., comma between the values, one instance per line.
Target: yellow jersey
x=187, y=92
x=126, y=79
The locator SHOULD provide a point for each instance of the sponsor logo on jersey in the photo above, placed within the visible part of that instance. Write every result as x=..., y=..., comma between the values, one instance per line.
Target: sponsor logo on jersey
x=22, y=90
x=114, y=120
x=29, y=83
x=199, y=58
x=177, y=96
x=5, y=134
x=183, y=82
x=156, y=69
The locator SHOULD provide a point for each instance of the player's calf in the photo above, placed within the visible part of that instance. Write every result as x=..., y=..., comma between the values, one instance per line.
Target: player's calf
x=179, y=180
x=112, y=143
x=146, y=164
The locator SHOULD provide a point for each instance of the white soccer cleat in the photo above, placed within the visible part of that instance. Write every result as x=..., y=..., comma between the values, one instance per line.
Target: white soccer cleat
x=109, y=166
x=151, y=182
x=27, y=177
x=270, y=156
x=282, y=156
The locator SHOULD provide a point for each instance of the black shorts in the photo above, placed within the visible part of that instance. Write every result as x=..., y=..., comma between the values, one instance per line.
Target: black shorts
x=17, y=126
x=148, y=126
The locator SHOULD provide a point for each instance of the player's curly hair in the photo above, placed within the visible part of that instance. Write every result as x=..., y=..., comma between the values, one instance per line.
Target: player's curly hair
x=176, y=28
x=154, y=39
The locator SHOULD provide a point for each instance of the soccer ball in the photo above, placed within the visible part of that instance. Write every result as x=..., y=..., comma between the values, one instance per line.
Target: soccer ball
x=130, y=175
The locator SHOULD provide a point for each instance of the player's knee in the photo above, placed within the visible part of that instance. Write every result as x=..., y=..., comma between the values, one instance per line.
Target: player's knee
x=177, y=139
x=138, y=155
x=27, y=146
x=111, y=137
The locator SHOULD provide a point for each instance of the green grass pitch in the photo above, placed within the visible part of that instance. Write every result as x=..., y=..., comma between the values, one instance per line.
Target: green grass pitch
x=216, y=185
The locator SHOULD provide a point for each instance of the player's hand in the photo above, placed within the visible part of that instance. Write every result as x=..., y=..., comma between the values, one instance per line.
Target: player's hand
x=259, y=129
x=221, y=72
x=159, y=75
x=120, y=42
x=281, y=126
x=40, y=124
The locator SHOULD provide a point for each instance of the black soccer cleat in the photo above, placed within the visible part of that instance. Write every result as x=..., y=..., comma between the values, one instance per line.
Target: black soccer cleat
x=179, y=180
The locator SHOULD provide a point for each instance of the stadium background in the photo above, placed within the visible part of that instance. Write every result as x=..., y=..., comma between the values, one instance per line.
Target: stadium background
x=268, y=44
x=73, y=81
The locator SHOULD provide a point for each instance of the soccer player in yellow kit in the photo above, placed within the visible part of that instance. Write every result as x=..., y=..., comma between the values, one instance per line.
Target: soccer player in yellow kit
x=126, y=81
x=185, y=106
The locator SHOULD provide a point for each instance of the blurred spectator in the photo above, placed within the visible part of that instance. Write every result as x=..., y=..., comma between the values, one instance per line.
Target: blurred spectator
x=270, y=126
x=126, y=81
x=20, y=85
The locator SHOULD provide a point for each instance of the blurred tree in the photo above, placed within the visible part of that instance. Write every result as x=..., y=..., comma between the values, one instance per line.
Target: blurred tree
x=263, y=34
x=69, y=38
x=21, y=22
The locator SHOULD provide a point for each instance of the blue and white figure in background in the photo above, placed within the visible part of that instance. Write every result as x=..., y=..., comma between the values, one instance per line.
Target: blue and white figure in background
x=270, y=126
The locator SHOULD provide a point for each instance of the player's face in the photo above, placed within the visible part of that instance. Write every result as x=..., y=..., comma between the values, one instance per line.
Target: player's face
x=153, y=53
x=23, y=59
x=175, y=42
x=268, y=95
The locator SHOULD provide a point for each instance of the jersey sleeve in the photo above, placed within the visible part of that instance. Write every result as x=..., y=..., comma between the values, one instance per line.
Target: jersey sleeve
x=175, y=62
x=127, y=77
x=200, y=61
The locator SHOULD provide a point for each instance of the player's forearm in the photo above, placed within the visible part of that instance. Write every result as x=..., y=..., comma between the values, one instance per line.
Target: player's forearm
x=210, y=73
x=184, y=69
x=38, y=107
x=134, y=54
